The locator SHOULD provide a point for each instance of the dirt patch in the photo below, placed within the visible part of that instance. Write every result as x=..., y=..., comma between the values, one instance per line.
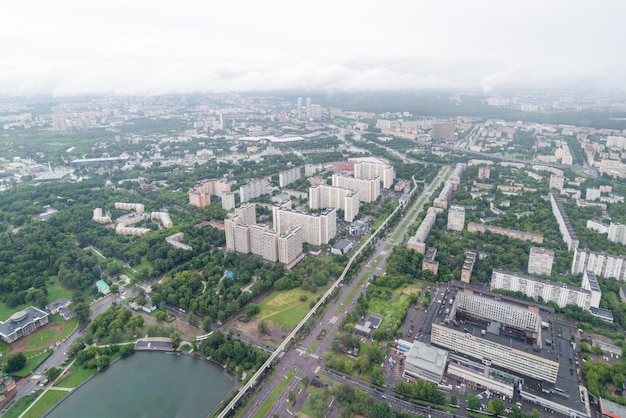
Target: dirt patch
x=18, y=346
x=409, y=291
x=251, y=331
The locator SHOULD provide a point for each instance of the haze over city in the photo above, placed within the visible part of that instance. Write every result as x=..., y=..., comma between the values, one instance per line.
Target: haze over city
x=70, y=48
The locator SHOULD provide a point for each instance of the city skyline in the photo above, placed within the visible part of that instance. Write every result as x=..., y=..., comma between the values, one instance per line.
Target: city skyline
x=70, y=48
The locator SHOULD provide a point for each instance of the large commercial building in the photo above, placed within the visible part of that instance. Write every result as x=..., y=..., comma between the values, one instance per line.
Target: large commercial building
x=200, y=194
x=253, y=190
x=22, y=323
x=559, y=293
x=456, y=218
x=425, y=362
x=317, y=229
x=367, y=189
x=540, y=261
x=325, y=196
x=366, y=168
x=288, y=176
x=497, y=334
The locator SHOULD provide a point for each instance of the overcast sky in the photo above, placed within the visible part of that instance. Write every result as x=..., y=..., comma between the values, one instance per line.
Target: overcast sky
x=67, y=47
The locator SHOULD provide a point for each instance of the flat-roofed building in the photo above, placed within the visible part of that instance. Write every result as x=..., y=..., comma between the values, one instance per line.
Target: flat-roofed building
x=540, y=261
x=366, y=168
x=560, y=293
x=429, y=262
x=425, y=362
x=325, y=196
x=22, y=323
x=200, y=194
x=456, y=218
x=468, y=266
x=288, y=176
x=289, y=245
x=252, y=190
x=590, y=283
x=368, y=189
x=497, y=334
x=317, y=229
x=247, y=213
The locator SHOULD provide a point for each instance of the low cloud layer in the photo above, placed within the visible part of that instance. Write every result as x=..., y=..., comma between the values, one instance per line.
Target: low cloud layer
x=70, y=47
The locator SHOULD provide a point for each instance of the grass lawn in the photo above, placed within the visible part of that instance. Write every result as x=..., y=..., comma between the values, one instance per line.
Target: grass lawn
x=19, y=406
x=46, y=402
x=285, y=309
x=77, y=376
x=306, y=408
x=4, y=349
x=391, y=310
x=57, y=291
x=271, y=399
x=42, y=338
x=6, y=312
x=32, y=363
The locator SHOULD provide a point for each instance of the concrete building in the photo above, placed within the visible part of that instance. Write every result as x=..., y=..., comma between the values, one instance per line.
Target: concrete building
x=425, y=362
x=247, y=213
x=590, y=283
x=175, y=241
x=565, y=226
x=342, y=247
x=317, y=229
x=99, y=217
x=597, y=226
x=200, y=194
x=417, y=242
x=617, y=233
x=511, y=233
x=288, y=176
x=429, y=262
x=164, y=217
x=137, y=207
x=498, y=335
x=559, y=293
x=468, y=266
x=22, y=323
x=252, y=190
x=289, y=245
x=367, y=189
x=483, y=173
x=366, y=168
x=592, y=194
x=601, y=264
x=557, y=182
x=228, y=200
x=540, y=261
x=443, y=130
x=325, y=196
x=456, y=218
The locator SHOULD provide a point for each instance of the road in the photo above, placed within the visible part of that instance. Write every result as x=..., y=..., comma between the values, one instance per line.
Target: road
x=309, y=362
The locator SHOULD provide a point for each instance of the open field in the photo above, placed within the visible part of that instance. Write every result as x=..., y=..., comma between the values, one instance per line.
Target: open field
x=42, y=338
x=392, y=310
x=77, y=376
x=57, y=291
x=285, y=309
x=46, y=402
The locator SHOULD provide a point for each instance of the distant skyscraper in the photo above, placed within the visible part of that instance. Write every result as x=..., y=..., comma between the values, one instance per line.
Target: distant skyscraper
x=308, y=108
x=299, y=107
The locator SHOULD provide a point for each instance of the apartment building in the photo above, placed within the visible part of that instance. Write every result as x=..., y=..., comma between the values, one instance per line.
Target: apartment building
x=565, y=226
x=288, y=176
x=429, y=262
x=366, y=168
x=317, y=229
x=602, y=264
x=559, y=293
x=368, y=189
x=540, y=261
x=511, y=233
x=200, y=194
x=325, y=196
x=289, y=245
x=456, y=218
x=253, y=190
x=417, y=242
x=468, y=266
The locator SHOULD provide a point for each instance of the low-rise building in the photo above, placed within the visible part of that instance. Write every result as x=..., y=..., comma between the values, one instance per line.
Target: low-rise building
x=22, y=323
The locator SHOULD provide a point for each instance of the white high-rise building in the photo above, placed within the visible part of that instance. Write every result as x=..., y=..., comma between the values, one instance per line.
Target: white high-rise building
x=617, y=233
x=288, y=176
x=456, y=218
x=253, y=190
x=540, y=261
x=557, y=182
x=325, y=196
x=247, y=213
x=366, y=168
x=368, y=189
x=289, y=245
x=317, y=229
x=590, y=283
x=299, y=107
